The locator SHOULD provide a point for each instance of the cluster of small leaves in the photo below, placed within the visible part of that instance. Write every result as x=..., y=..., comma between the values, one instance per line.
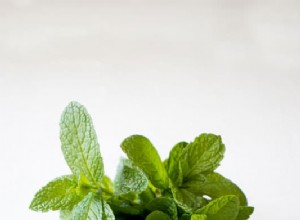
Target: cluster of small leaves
x=183, y=187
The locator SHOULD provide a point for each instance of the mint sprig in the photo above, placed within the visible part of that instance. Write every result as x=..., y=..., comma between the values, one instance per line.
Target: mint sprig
x=79, y=196
x=185, y=186
x=79, y=143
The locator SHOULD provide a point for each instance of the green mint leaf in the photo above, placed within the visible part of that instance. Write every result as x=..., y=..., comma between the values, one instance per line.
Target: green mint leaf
x=158, y=215
x=123, y=204
x=61, y=193
x=131, y=203
x=214, y=185
x=199, y=217
x=79, y=143
x=129, y=217
x=129, y=178
x=185, y=216
x=65, y=214
x=223, y=208
x=244, y=212
x=143, y=154
x=92, y=208
x=173, y=164
x=164, y=204
x=203, y=155
x=107, y=213
x=107, y=187
x=147, y=195
x=188, y=200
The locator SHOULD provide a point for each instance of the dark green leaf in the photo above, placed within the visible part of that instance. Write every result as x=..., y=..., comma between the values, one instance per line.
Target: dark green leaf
x=146, y=196
x=125, y=205
x=185, y=217
x=213, y=185
x=166, y=205
x=223, y=208
x=158, y=215
x=244, y=212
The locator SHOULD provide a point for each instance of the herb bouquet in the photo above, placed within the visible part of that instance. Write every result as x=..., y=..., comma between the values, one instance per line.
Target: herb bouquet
x=182, y=187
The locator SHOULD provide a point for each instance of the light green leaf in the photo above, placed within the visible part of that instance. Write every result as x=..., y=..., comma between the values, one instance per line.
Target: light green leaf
x=129, y=178
x=143, y=154
x=164, y=204
x=65, y=214
x=158, y=215
x=188, y=200
x=213, y=185
x=223, y=208
x=174, y=166
x=107, y=187
x=92, y=208
x=202, y=156
x=107, y=213
x=61, y=193
x=107, y=184
x=244, y=212
x=79, y=143
x=199, y=217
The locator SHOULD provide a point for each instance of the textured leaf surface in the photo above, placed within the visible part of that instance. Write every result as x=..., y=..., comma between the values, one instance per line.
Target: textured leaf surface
x=214, y=185
x=223, y=208
x=244, y=212
x=129, y=178
x=143, y=154
x=92, y=208
x=173, y=165
x=166, y=205
x=65, y=214
x=199, y=217
x=158, y=215
x=188, y=200
x=57, y=194
x=203, y=155
x=79, y=143
x=107, y=212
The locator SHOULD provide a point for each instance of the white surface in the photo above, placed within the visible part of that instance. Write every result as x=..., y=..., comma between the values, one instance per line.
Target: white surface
x=167, y=69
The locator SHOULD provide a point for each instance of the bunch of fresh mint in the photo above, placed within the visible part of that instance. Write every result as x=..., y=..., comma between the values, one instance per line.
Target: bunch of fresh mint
x=182, y=187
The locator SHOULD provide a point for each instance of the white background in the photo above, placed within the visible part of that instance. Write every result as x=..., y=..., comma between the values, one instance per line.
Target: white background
x=169, y=70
